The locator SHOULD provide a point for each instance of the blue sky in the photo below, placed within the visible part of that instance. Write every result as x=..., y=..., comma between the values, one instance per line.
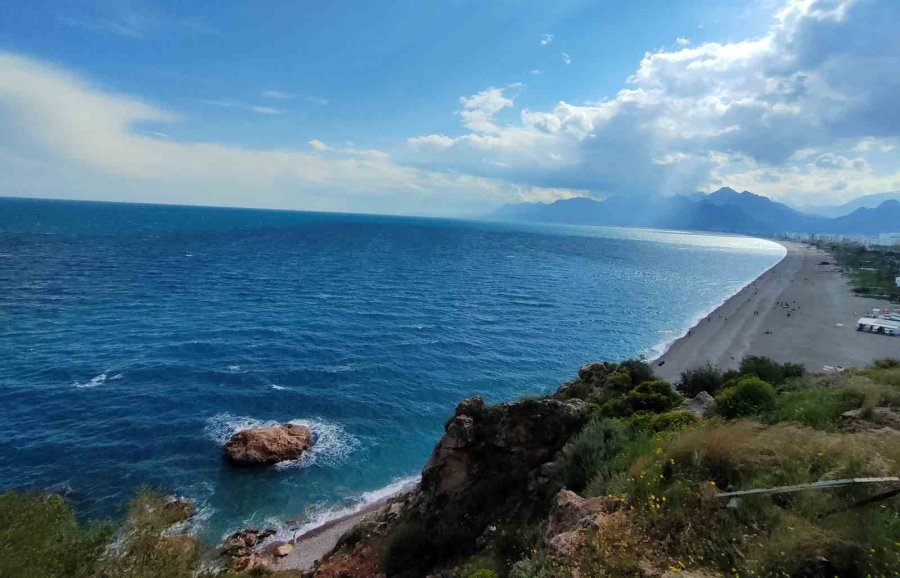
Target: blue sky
x=445, y=107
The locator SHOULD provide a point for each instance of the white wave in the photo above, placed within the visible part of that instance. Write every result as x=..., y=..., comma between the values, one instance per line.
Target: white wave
x=234, y=368
x=94, y=382
x=278, y=387
x=331, y=442
x=321, y=514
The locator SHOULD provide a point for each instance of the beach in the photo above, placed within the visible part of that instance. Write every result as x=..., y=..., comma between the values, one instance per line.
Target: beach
x=802, y=310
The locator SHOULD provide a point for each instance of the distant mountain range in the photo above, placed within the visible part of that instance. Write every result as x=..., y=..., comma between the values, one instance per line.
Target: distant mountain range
x=724, y=210
x=866, y=202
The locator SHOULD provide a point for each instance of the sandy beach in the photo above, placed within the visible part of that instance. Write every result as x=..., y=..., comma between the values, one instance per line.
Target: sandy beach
x=801, y=310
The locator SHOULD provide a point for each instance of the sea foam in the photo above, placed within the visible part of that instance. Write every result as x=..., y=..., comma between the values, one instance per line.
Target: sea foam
x=332, y=444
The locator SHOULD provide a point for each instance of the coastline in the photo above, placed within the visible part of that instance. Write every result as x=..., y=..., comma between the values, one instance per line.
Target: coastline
x=790, y=312
x=663, y=347
x=801, y=310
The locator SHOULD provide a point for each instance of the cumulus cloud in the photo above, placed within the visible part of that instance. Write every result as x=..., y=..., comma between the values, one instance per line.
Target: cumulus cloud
x=61, y=136
x=546, y=39
x=566, y=58
x=824, y=76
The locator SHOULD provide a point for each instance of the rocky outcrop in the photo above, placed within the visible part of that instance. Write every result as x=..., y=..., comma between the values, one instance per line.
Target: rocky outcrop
x=571, y=517
x=701, y=405
x=268, y=445
x=874, y=419
x=495, y=462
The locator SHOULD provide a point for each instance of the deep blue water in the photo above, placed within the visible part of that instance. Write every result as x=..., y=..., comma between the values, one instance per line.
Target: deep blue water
x=134, y=339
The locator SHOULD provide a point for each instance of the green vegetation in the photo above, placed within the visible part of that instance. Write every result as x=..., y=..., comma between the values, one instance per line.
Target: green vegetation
x=872, y=270
x=660, y=473
x=769, y=370
x=706, y=378
x=39, y=536
x=750, y=396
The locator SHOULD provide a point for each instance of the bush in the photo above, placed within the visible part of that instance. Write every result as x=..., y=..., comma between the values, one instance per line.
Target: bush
x=591, y=452
x=660, y=422
x=638, y=370
x=886, y=363
x=649, y=396
x=706, y=378
x=769, y=370
x=750, y=397
x=40, y=536
x=820, y=407
x=409, y=550
x=483, y=573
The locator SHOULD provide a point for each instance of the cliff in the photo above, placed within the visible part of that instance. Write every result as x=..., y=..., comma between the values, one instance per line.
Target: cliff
x=612, y=475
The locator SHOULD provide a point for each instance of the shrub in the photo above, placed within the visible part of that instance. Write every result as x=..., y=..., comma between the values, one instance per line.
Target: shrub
x=409, y=550
x=40, y=536
x=649, y=396
x=886, y=363
x=660, y=422
x=751, y=396
x=706, y=378
x=483, y=573
x=820, y=407
x=591, y=452
x=639, y=371
x=149, y=546
x=769, y=370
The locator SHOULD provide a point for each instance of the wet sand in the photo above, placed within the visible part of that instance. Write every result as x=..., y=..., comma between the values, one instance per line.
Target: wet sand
x=790, y=313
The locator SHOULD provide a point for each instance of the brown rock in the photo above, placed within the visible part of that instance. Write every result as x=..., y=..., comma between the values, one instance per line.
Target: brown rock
x=571, y=513
x=858, y=420
x=268, y=445
x=283, y=550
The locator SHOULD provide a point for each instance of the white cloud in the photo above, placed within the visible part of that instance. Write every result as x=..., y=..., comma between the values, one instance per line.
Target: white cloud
x=536, y=71
x=823, y=77
x=566, y=58
x=277, y=95
x=224, y=103
x=479, y=109
x=682, y=41
x=546, y=39
x=61, y=136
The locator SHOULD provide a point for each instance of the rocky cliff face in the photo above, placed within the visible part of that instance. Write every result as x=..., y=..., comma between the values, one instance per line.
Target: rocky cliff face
x=494, y=464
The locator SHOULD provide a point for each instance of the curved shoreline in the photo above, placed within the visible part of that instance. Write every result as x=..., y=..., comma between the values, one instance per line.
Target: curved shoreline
x=664, y=346
x=752, y=321
x=800, y=310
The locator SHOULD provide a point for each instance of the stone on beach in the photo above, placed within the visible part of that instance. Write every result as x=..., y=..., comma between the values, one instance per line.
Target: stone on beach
x=268, y=445
x=283, y=550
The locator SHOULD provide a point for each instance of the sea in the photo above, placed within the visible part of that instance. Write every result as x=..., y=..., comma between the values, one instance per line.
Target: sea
x=135, y=339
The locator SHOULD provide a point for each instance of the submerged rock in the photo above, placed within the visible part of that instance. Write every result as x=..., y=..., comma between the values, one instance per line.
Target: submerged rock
x=268, y=445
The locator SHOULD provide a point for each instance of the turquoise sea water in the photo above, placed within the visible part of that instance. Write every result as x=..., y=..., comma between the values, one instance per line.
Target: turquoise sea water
x=135, y=339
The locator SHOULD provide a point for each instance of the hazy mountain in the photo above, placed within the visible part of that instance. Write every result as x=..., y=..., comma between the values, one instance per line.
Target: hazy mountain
x=724, y=210
x=885, y=218
x=866, y=202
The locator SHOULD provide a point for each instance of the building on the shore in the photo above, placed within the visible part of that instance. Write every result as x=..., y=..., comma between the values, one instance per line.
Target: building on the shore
x=889, y=239
x=878, y=325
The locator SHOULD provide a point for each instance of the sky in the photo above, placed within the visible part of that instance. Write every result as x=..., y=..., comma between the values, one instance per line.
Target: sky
x=448, y=107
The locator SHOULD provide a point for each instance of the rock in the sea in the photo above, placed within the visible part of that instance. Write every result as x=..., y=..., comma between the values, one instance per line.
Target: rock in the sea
x=701, y=405
x=268, y=445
